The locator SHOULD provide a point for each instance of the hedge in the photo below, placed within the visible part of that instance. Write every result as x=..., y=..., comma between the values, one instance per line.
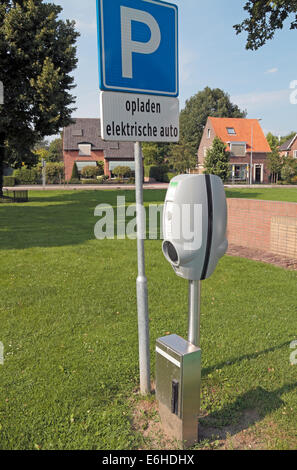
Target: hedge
x=159, y=173
x=8, y=181
x=54, y=173
x=91, y=181
x=26, y=175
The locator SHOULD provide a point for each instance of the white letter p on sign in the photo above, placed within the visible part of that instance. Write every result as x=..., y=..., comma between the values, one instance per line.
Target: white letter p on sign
x=128, y=45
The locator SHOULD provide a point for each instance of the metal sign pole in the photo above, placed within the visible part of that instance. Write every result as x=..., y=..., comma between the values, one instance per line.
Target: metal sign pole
x=43, y=173
x=141, y=283
x=194, y=312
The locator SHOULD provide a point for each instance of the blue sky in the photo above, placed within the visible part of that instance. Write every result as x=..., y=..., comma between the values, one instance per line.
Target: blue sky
x=210, y=54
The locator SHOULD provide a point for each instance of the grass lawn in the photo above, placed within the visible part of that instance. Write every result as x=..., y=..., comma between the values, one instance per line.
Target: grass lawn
x=69, y=329
x=268, y=194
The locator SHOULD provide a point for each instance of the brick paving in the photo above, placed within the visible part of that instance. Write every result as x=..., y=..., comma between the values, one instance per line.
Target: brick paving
x=264, y=256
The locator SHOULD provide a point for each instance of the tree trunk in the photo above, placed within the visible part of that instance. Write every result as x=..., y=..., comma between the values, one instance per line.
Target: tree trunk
x=2, y=154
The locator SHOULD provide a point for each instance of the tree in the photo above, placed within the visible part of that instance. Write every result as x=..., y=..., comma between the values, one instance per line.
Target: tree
x=155, y=153
x=182, y=156
x=209, y=102
x=274, y=161
x=55, y=150
x=37, y=56
x=217, y=160
x=75, y=173
x=274, y=165
x=265, y=18
x=287, y=137
x=100, y=166
x=289, y=169
x=42, y=154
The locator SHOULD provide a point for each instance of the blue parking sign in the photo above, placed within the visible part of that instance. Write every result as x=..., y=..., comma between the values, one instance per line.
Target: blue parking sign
x=138, y=46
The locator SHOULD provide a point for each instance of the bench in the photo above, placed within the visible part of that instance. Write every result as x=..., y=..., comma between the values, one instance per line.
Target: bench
x=17, y=195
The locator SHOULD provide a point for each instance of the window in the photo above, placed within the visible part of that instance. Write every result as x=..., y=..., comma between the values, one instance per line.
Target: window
x=77, y=132
x=238, y=149
x=231, y=131
x=84, y=150
x=81, y=165
x=208, y=133
x=294, y=153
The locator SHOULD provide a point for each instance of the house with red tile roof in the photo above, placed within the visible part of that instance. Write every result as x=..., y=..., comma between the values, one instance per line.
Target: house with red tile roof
x=83, y=145
x=245, y=140
x=289, y=148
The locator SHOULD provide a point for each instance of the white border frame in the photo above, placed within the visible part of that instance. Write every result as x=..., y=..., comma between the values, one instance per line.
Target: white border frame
x=155, y=92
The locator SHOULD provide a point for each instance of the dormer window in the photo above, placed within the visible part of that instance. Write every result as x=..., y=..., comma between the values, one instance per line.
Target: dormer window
x=231, y=131
x=77, y=132
x=84, y=150
x=238, y=149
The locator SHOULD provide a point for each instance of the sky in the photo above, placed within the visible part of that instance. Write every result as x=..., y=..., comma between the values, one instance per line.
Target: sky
x=210, y=54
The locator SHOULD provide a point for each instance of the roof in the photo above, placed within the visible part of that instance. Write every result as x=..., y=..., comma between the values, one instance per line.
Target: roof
x=88, y=130
x=287, y=145
x=243, y=133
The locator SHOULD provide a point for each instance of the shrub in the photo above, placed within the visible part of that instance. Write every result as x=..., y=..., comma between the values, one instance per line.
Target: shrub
x=100, y=165
x=102, y=178
x=8, y=180
x=159, y=173
x=74, y=181
x=287, y=173
x=75, y=173
x=26, y=175
x=54, y=173
x=122, y=171
x=90, y=171
x=90, y=181
x=171, y=175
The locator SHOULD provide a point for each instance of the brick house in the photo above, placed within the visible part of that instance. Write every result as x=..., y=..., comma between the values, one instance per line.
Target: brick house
x=83, y=145
x=241, y=137
x=289, y=148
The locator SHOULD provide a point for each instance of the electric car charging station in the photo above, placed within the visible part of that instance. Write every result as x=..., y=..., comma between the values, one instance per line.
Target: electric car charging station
x=139, y=87
x=195, y=204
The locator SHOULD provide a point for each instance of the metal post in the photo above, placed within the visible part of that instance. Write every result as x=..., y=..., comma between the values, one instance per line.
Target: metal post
x=43, y=173
x=141, y=283
x=251, y=162
x=194, y=313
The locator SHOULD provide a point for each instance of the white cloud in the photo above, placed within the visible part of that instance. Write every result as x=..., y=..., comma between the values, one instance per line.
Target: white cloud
x=265, y=98
x=187, y=59
x=85, y=27
x=273, y=70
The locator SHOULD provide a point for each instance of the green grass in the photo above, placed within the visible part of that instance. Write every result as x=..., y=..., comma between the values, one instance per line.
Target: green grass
x=69, y=329
x=268, y=194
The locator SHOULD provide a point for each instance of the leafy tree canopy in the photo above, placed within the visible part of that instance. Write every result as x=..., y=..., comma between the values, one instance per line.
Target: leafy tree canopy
x=55, y=150
x=209, y=102
x=182, y=156
x=285, y=138
x=37, y=56
x=155, y=153
x=217, y=160
x=265, y=17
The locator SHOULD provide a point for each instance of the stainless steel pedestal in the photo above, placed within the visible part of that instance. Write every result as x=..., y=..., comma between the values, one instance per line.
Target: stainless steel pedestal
x=178, y=376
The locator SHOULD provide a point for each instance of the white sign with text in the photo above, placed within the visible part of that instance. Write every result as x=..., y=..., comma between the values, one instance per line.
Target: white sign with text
x=139, y=118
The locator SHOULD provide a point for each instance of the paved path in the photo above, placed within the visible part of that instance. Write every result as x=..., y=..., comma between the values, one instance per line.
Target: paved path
x=264, y=256
x=71, y=187
x=100, y=187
